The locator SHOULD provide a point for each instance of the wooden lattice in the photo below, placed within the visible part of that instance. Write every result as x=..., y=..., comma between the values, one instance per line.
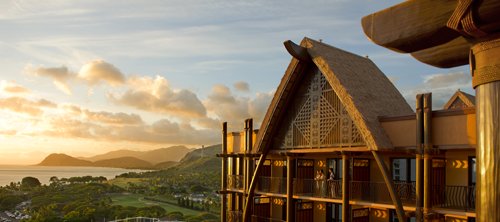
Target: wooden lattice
x=316, y=118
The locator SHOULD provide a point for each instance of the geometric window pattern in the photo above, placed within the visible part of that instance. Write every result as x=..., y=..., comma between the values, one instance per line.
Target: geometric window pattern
x=316, y=118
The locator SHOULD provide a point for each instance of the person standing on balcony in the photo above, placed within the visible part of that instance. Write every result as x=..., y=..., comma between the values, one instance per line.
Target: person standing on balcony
x=320, y=182
x=331, y=183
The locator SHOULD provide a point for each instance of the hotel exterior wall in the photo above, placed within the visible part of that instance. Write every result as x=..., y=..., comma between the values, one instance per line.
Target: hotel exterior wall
x=457, y=167
x=235, y=142
x=379, y=215
x=454, y=130
x=319, y=212
x=401, y=132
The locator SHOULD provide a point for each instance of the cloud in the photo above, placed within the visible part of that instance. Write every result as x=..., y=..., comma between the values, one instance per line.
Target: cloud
x=22, y=105
x=113, y=118
x=98, y=71
x=234, y=110
x=242, y=86
x=8, y=132
x=92, y=73
x=160, y=132
x=155, y=95
x=13, y=88
x=447, y=80
x=59, y=75
x=442, y=86
x=257, y=107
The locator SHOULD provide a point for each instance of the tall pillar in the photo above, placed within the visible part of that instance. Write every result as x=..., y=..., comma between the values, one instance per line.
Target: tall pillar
x=427, y=102
x=224, y=173
x=232, y=195
x=248, y=163
x=290, y=206
x=485, y=68
x=346, y=212
x=419, y=154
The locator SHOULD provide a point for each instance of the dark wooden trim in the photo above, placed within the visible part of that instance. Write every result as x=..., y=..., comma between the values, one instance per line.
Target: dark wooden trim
x=454, y=112
x=395, y=118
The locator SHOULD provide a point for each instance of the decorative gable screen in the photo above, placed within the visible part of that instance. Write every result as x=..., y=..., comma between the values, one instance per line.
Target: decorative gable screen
x=316, y=118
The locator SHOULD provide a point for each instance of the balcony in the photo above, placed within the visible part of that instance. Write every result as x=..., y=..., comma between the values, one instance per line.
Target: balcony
x=272, y=185
x=377, y=192
x=454, y=197
x=256, y=218
x=235, y=182
x=317, y=188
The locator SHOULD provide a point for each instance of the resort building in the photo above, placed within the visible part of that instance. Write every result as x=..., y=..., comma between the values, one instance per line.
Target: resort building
x=340, y=143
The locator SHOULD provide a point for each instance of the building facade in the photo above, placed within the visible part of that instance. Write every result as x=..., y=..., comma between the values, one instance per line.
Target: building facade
x=340, y=143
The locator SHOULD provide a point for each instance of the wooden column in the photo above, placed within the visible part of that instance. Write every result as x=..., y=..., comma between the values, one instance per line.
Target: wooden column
x=485, y=67
x=290, y=206
x=427, y=102
x=346, y=178
x=232, y=195
x=248, y=160
x=223, y=212
x=419, y=154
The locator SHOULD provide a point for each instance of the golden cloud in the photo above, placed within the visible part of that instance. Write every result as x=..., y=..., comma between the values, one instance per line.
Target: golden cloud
x=22, y=105
x=155, y=95
x=100, y=71
x=13, y=88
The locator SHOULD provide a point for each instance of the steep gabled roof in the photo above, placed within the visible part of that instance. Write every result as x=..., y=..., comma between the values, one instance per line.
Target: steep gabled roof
x=467, y=99
x=363, y=89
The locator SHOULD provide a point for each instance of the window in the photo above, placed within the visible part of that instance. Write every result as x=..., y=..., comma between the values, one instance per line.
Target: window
x=403, y=169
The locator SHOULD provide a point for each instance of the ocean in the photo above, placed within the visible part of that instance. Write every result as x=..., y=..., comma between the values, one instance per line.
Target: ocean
x=44, y=173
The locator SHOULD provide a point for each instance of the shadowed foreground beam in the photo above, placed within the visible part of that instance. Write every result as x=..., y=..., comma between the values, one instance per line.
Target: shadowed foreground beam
x=415, y=25
x=388, y=181
x=451, y=54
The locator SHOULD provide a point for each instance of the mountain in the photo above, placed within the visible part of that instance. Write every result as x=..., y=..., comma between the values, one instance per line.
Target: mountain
x=165, y=165
x=59, y=159
x=174, y=153
x=202, y=159
x=124, y=162
x=190, y=160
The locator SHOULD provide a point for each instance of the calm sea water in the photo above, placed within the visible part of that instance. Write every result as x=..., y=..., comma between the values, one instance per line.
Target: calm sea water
x=44, y=173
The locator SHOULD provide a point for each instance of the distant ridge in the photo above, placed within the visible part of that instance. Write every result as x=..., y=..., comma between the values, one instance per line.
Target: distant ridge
x=60, y=159
x=124, y=162
x=163, y=158
x=173, y=153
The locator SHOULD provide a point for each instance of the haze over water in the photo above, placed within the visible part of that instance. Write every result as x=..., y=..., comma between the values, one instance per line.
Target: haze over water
x=43, y=173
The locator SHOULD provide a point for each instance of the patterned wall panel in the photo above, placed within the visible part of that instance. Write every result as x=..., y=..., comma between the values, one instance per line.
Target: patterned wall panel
x=316, y=118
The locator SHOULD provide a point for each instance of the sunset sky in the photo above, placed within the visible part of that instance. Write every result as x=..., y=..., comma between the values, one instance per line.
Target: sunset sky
x=88, y=77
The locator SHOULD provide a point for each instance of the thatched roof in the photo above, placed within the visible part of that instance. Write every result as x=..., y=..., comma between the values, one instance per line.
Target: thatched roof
x=363, y=89
x=466, y=99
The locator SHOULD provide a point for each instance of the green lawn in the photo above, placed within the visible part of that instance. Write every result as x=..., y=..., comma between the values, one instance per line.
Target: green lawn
x=137, y=200
x=123, y=182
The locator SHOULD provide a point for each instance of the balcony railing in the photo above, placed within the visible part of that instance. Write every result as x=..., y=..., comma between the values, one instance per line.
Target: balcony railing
x=235, y=216
x=454, y=197
x=272, y=184
x=318, y=188
x=235, y=182
x=377, y=192
x=256, y=218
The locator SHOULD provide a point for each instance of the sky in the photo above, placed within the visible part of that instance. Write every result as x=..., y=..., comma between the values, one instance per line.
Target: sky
x=88, y=77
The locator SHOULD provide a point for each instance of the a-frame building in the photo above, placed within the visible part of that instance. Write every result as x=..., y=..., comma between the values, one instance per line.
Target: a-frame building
x=338, y=143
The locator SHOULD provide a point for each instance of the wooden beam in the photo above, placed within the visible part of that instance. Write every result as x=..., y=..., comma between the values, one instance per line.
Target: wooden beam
x=388, y=181
x=450, y=54
x=415, y=25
